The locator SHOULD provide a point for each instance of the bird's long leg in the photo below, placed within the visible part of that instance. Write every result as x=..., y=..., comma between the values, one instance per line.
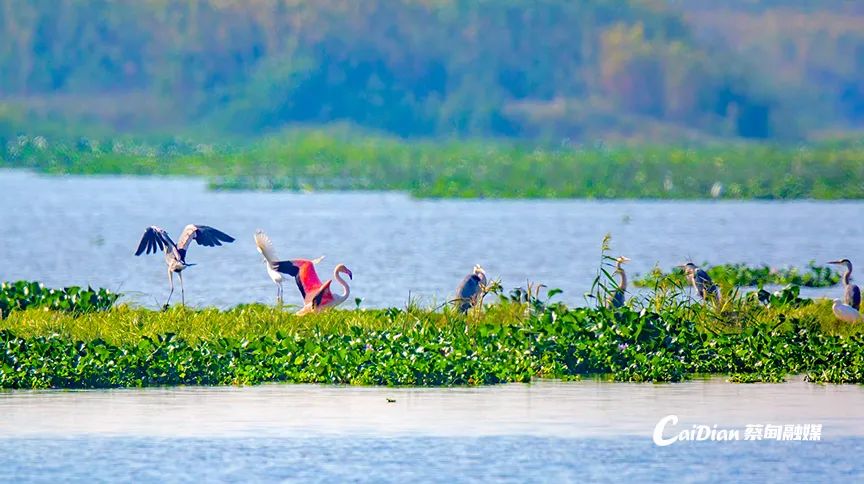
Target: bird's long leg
x=278, y=293
x=182, y=293
x=171, y=284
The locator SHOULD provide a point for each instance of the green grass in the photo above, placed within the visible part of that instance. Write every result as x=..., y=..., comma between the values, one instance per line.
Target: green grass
x=305, y=159
x=660, y=338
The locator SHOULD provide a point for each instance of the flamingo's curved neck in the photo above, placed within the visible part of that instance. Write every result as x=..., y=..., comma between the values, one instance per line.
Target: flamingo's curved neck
x=338, y=276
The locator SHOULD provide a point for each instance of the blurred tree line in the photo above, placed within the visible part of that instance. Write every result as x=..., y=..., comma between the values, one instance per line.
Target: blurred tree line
x=561, y=68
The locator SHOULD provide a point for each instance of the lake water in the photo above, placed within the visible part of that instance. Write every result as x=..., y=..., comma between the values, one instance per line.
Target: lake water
x=84, y=230
x=545, y=431
x=79, y=231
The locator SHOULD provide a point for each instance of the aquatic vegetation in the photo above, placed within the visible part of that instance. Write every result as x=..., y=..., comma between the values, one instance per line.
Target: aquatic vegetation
x=20, y=295
x=508, y=342
x=742, y=275
x=327, y=159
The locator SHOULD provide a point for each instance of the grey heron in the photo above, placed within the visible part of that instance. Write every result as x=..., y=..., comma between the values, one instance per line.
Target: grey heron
x=321, y=297
x=470, y=290
x=618, y=297
x=851, y=292
x=301, y=270
x=701, y=282
x=156, y=238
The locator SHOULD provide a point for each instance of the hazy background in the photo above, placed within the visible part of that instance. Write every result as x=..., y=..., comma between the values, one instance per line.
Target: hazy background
x=539, y=69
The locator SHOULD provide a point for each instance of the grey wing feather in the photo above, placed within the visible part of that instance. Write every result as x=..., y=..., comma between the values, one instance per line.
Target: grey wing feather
x=467, y=292
x=618, y=298
x=704, y=284
x=853, y=296
x=154, y=240
x=204, y=235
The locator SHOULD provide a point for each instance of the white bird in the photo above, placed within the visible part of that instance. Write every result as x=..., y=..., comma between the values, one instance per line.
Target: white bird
x=846, y=313
x=276, y=268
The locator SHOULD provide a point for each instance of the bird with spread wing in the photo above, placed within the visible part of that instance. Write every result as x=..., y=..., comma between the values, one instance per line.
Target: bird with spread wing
x=156, y=239
x=316, y=295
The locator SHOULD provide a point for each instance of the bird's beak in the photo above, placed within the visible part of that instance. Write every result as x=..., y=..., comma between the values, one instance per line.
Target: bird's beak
x=350, y=275
x=624, y=259
x=833, y=262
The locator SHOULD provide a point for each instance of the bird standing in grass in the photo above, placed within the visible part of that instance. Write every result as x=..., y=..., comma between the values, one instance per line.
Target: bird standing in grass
x=851, y=292
x=701, y=282
x=320, y=297
x=470, y=291
x=846, y=313
x=156, y=238
x=619, y=296
x=302, y=270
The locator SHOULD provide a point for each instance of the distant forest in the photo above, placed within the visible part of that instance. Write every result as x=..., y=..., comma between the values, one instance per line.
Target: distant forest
x=558, y=69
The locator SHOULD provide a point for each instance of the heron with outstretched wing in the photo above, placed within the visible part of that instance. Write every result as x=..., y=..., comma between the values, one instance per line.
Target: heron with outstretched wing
x=156, y=239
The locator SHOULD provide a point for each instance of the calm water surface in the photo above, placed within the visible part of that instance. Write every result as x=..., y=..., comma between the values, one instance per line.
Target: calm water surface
x=66, y=231
x=545, y=431
x=84, y=230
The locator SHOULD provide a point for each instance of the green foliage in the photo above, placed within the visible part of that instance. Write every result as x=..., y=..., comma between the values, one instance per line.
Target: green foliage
x=20, y=295
x=512, y=341
x=309, y=159
x=742, y=275
x=559, y=68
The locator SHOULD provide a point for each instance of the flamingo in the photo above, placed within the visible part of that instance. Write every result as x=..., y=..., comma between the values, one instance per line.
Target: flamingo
x=470, y=289
x=302, y=270
x=320, y=297
x=175, y=254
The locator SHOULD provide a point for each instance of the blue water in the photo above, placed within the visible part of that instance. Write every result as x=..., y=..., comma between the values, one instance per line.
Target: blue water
x=541, y=432
x=83, y=230
x=427, y=459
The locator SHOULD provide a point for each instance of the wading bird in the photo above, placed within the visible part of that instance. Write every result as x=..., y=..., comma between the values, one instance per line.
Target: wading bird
x=618, y=297
x=320, y=297
x=845, y=312
x=470, y=290
x=851, y=293
x=701, y=282
x=300, y=269
x=175, y=254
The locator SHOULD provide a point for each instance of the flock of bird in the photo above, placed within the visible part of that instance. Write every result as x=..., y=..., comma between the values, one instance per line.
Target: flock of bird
x=318, y=296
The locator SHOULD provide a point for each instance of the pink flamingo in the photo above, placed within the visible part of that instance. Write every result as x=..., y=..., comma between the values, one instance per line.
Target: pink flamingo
x=316, y=296
x=320, y=297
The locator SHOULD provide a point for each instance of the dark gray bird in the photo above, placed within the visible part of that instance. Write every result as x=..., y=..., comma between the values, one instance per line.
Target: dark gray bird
x=619, y=296
x=851, y=293
x=156, y=238
x=469, y=292
x=701, y=282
